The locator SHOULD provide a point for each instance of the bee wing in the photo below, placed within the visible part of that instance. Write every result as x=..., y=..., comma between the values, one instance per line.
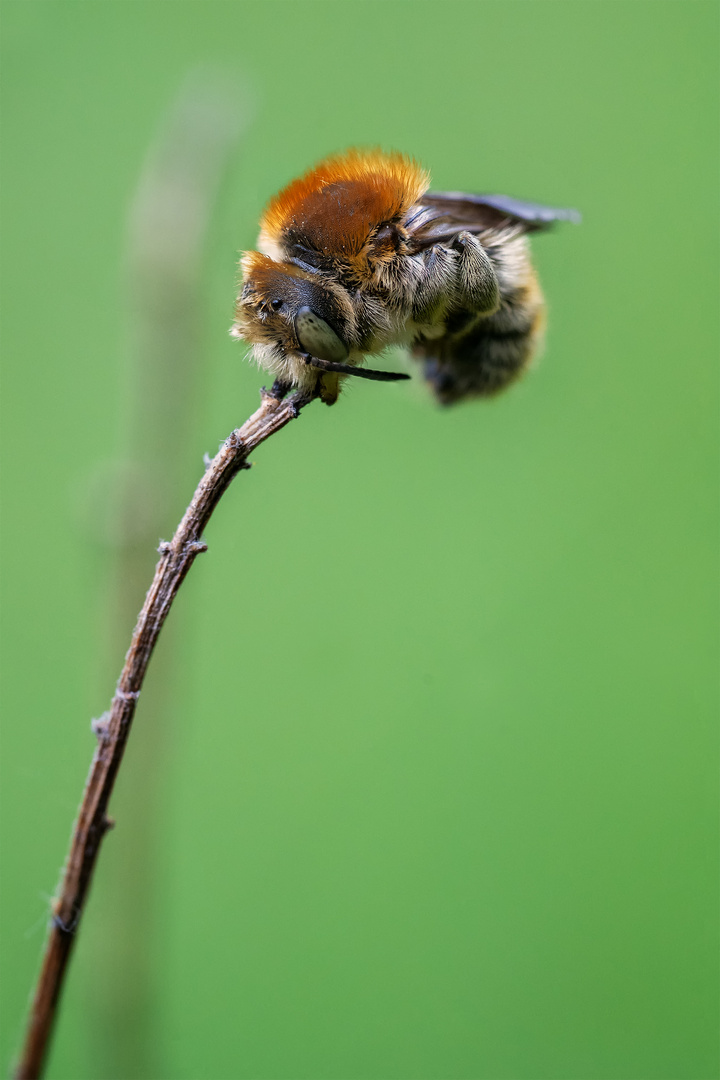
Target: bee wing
x=441, y=215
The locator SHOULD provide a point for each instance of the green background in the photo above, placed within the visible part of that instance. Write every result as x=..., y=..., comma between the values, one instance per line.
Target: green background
x=424, y=781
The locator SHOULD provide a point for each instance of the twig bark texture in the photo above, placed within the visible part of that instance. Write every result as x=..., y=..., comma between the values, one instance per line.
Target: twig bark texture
x=176, y=558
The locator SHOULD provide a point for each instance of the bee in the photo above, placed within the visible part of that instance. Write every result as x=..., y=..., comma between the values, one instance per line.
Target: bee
x=358, y=254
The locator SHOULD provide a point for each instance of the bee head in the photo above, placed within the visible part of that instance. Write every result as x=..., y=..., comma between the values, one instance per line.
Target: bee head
x=288, y=310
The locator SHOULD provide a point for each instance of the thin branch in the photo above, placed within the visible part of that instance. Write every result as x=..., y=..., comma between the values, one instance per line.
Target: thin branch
x=176, y=558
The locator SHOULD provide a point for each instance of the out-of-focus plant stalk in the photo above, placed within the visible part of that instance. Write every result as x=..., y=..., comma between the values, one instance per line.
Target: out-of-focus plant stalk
x=168, y=226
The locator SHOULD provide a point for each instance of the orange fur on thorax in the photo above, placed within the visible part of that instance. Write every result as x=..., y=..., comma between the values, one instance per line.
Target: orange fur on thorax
x=336, y=206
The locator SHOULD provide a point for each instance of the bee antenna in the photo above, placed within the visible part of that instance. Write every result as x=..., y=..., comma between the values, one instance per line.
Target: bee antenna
x=349, y=369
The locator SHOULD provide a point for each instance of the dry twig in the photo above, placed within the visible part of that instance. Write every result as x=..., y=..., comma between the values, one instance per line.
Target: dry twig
x=176, y=558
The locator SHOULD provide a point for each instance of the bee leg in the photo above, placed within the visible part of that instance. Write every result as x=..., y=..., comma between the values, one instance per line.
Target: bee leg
x=328, y=387
x=476, y=279
x=438, y=282
x=278, y=390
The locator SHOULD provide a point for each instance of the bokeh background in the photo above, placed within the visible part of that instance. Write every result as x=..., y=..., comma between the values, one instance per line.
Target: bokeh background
x=423, y=784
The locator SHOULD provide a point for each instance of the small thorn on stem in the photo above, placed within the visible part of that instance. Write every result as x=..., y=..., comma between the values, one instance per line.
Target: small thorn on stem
x=63, y=927
x=99, y=725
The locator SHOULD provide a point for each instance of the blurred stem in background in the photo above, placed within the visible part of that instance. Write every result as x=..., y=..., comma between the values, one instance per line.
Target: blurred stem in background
x=167, y=229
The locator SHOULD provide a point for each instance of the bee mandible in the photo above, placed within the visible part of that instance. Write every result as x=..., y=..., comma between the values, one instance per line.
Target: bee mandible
x=358, y=254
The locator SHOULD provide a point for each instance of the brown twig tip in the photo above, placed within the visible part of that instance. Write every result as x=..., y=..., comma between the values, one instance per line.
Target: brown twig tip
x=113, y=727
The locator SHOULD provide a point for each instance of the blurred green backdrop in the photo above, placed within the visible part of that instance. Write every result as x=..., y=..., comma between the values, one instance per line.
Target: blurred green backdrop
x=423, y=784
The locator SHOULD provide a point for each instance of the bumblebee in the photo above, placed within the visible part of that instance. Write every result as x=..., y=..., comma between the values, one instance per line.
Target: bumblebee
x=358, y=254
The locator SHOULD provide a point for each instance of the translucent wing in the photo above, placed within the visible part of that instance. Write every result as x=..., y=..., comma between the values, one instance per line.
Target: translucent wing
x=438, y=216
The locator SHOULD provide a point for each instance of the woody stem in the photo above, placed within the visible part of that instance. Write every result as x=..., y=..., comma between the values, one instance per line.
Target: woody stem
x=176, y=558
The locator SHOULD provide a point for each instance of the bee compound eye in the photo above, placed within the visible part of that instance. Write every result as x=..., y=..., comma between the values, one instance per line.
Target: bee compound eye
x=317, y=338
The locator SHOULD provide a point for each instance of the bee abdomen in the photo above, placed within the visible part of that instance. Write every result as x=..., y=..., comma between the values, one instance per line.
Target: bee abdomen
x=483, y=356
